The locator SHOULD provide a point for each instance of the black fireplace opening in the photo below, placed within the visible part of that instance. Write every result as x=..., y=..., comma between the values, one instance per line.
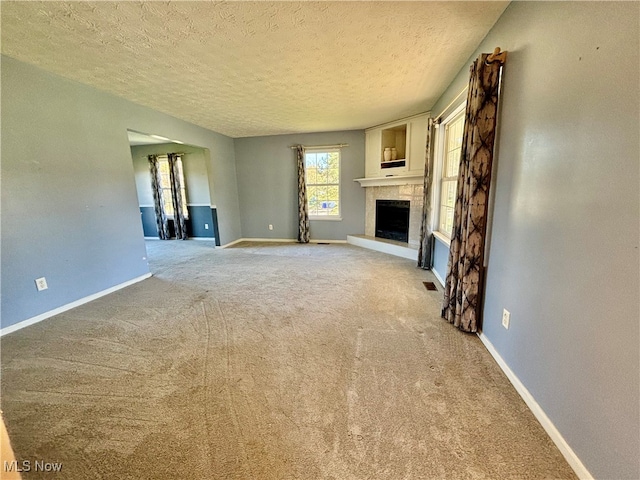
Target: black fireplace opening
x=392, y=220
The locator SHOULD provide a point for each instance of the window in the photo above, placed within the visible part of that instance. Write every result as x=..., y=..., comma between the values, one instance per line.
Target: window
x=165, y=184
x=450, y=146
x=322, y=169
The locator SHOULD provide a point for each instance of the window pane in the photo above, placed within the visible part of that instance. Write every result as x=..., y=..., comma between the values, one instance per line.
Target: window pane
x=312, y=199
x=453, y=146
x=321, y=192
x=310, y=159
x=446, y=221
x=166, y=200
x=311, y=173
x=323, y=180
x=311, y=167
x=333, y=192
x=183, y=188
x=452, y=149
x=334, y=160
x=185, y=210
x=448, y=196
x=323, y=160
x=334, y=176
x=323, y=168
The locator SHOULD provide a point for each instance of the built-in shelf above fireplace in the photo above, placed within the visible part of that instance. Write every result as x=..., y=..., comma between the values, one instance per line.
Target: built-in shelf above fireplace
x=391, y=180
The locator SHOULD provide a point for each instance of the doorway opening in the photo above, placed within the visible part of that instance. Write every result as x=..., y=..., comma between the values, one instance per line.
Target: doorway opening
x=157, y=202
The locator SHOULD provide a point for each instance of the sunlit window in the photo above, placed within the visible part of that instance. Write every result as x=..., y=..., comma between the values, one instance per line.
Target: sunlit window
x=453, y=131
x=165, y=184
x=323, y=182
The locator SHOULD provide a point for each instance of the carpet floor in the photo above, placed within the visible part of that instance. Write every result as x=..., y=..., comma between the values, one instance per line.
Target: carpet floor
x=267, y=361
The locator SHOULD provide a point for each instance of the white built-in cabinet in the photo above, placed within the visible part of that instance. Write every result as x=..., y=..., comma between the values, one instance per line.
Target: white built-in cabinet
x=409, y=138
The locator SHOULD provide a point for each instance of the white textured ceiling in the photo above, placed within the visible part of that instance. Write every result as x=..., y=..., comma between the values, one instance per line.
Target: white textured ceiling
x=256, y=68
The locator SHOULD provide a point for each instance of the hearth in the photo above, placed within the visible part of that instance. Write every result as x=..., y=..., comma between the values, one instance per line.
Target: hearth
x=392, y=219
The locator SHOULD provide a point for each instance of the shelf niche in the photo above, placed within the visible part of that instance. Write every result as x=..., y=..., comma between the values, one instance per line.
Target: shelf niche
x=394, y=137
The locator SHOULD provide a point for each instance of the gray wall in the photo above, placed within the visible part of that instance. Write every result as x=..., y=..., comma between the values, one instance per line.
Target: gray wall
x=267, y=185
x=563, y=257
x=69, y=206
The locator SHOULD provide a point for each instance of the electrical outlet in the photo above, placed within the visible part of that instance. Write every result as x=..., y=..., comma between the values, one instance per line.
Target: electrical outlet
x=206, y=226
x=270, y=227
x=506, y=318
x=41, y=284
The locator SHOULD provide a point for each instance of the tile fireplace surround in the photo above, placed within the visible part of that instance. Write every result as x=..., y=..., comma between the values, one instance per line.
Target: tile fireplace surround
x=413, y=193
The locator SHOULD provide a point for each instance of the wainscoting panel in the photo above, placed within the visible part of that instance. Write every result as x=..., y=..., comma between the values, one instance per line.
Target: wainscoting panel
x=148, y=217
x=199, y=215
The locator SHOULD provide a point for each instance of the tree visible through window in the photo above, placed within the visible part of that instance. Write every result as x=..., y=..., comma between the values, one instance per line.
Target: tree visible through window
x=323, y=182
x=165, y=184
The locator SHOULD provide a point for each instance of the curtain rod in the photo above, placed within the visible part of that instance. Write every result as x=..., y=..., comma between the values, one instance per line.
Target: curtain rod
x=497, y=55
x=339, y=145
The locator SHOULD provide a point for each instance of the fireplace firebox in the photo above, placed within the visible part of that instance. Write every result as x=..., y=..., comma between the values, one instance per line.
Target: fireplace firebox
x=392, y=220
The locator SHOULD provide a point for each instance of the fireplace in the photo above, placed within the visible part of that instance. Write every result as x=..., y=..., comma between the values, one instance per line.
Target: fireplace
x=392, y=219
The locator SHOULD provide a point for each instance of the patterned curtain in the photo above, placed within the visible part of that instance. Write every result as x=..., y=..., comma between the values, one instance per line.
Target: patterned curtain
x=179, y=208
x=465, y=271
x=303, y=209
x=426, y=235
x=161, y=216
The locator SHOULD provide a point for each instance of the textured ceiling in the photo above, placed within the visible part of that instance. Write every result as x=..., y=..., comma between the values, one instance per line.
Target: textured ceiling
x=256, y=68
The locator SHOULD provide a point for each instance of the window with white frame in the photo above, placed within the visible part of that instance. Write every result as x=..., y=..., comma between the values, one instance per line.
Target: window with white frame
x=165, y=185
x=322, y=169
x=450, y=145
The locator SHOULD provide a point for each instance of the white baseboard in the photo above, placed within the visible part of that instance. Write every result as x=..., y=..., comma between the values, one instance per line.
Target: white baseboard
x=288, y=240
x=327, y=241
x=69, y=306
x=232, y=243
x=557, y=438
x=206, y=239
x=278, y=240
x=437, y=275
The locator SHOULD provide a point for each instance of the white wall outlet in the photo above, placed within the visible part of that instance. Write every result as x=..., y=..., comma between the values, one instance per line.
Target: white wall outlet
x=506, y=318
x=41, y=284
x=206, y=226
x=270, y=227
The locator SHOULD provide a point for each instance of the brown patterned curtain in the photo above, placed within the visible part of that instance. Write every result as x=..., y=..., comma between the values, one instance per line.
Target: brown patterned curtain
x=426, y=235
x=179, y=208
x=161, y=216
x=303, y=209
x=465, y=271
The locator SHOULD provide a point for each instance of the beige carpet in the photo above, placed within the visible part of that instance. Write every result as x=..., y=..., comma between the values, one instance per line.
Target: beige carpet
x=267, y=361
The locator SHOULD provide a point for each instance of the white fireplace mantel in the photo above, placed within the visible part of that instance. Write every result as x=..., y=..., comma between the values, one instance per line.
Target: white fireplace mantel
x=391, y=180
